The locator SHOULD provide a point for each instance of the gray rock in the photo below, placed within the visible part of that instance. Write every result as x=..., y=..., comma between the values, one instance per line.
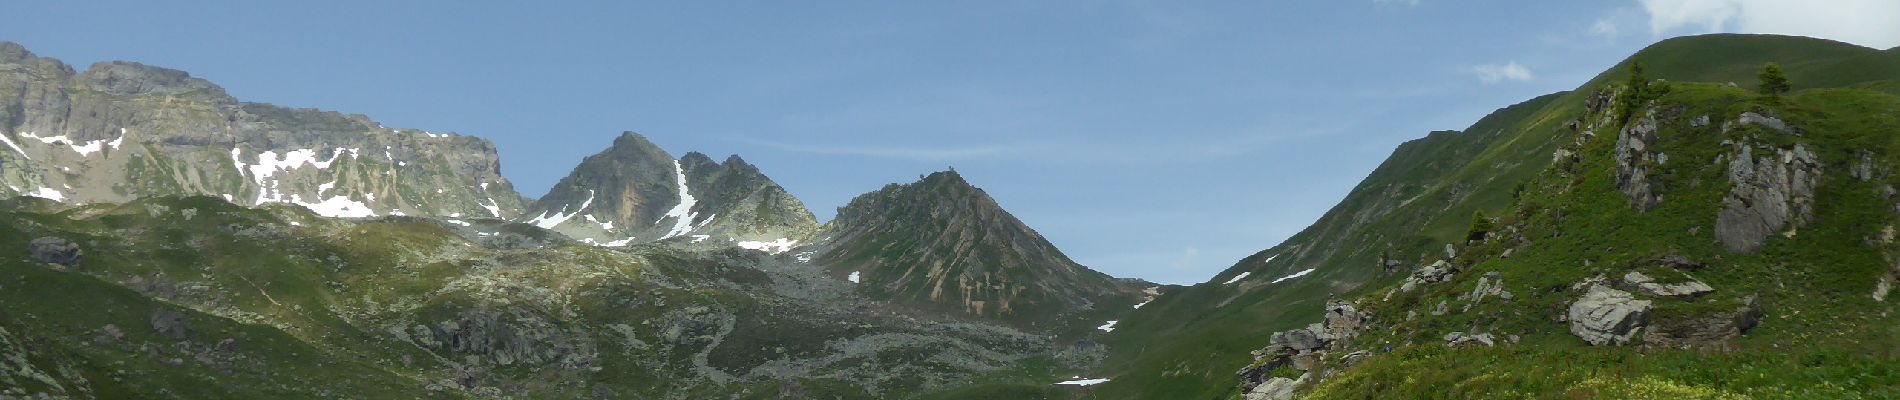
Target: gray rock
x=55, y=251
x=1276, y=388
x=1437, y=272
x=1686, y=290
x=1456, y=339
x=170, y=324
x=1298, y=339
x=1606, y=316
x=1353, y=358
x=1450, y=252
x=1699, y=121
x=1768, y=194
x=1713, y=331
x=1752, y=118
x=1633, y=161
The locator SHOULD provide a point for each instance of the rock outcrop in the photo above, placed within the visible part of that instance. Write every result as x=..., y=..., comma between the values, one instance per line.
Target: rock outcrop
x=1770, y=193
x=1634, y=160
x=54, y=251
x=1606, y=316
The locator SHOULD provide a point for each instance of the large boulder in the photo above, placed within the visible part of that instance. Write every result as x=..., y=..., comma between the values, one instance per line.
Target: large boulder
x=1299, y=339
x=55, y=251
x=1607, y=316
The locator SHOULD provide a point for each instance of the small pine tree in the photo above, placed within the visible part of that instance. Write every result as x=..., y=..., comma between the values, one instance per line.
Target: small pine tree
x=1637, y=91
x=1774, y=82
x=1480, y=226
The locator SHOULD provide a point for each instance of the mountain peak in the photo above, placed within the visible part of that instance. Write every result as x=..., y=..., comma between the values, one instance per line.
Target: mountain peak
x=634, y=191
x=941, y=243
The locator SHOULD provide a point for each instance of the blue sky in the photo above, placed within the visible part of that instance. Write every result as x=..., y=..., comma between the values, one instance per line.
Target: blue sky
x=1159, y=140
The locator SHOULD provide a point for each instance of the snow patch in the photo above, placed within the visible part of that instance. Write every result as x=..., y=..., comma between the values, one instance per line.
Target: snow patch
x=546, y=221
x=774, y=247
x=683, y=212
x=1237, y=278
x=700, y=238
x=458, y=222
x=268, y=163
x=618, y=243
x=1083, y=382
x=16, y=147
x=49, y=194
x=325, y=187
x=1108, y=327
x=84, y=149
x=853, y=278
x=805, y=257
x=1144, y=302
x=493, y=207
x=1295, y=275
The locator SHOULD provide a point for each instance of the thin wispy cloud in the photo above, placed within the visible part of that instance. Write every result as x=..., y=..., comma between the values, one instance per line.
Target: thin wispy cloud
x=1604, y=27
x=1387, y=3
x=1872, y=23
x=893, y=152
x=1492, y=74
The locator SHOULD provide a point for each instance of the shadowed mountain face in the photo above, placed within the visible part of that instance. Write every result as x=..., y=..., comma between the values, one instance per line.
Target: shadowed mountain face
x=123, y=130
x=635, y=192
x=942, y=244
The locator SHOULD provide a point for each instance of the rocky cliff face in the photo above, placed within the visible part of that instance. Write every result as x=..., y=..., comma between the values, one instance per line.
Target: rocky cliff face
x=944, y=244
x=122, y=130
x=635, y=192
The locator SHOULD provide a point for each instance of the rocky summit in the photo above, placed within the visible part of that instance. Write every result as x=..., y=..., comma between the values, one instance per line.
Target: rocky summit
x=634, y=192
x=1659, y=232
x=942, y=244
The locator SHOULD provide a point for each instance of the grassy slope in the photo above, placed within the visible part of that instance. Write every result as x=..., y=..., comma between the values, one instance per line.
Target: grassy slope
x=1188, y=343
x=1824, y=336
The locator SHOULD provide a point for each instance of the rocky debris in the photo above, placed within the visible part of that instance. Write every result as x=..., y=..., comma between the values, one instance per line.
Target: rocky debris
x=1440, y=271
x=1083, y=354
x=1769, y=194
x=506, y=338
x=1456, y=339
x=1685, y=290
x=1606, y=316
x=1700, y=121
x=170, y=324
x=1343, y=320
x=55, y=251
x=1633, y=162
x=1489, y=285
x=1715, y=330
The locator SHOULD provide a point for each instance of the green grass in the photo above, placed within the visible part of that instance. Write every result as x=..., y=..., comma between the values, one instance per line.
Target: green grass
x=1188, y=343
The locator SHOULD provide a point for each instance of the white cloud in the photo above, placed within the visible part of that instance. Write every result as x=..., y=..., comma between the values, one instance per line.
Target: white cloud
x=1407, y=3
x=1495, y=73
x=1872, y=23
x=1605, y=27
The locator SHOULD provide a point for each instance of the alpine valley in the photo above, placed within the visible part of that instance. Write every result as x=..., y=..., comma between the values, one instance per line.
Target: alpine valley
x=1675, y=235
